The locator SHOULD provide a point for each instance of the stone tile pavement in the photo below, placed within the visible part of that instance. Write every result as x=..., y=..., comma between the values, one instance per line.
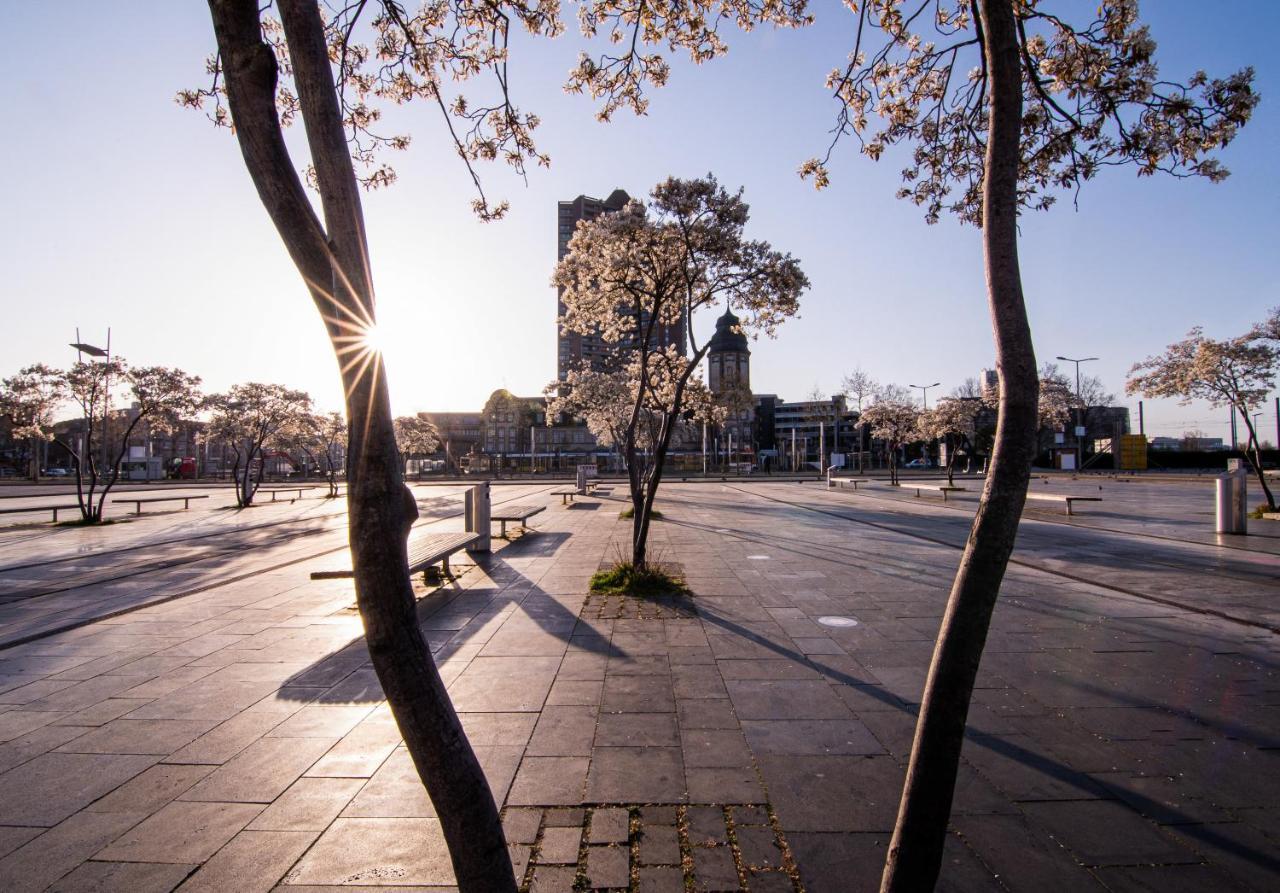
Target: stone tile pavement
x=236, y=739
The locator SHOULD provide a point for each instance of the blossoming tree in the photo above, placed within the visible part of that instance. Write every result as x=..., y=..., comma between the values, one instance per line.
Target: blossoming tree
x=249, y=417
x=896, y=422
x=415, y=436
x=28, y=399
x=953, y=419
x=1236, y=372
x=631, y=275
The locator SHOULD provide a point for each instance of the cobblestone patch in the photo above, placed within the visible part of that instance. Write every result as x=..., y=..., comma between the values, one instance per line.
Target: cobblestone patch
x=634, y=848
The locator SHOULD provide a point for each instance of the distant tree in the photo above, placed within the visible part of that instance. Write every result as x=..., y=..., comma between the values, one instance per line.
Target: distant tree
x=415, y=436
x=29, y=400
x=896, y=422
x=953, y=419
x=249, y=417
x=1194, y=439
x=1269, y=328
x=159, y=395
x=1092, y=392
x=859, y=386
x=894, y=393
x=333, y=444
x=630, y=273
x=1237, y=372
x=969, y=389
x=1055, y=402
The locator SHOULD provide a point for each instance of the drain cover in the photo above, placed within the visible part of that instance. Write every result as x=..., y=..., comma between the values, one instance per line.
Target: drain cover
x=837, y=621
x=758, y=557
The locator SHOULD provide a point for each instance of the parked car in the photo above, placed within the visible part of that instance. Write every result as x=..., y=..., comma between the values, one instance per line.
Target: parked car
x=919, y=463
x=55, y=472
x=8, y=473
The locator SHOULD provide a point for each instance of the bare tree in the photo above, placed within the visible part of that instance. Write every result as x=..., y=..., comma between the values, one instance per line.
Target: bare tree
x=641, y=271
x=1238, y=372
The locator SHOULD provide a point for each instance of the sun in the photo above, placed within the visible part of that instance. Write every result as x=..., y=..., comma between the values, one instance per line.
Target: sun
x=373, y=339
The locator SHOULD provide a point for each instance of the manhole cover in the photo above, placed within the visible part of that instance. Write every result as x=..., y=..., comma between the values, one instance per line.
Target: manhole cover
x=837, y=621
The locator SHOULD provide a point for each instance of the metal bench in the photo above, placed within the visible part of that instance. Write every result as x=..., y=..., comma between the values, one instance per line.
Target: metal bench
x=514, y=513
x=944, y=489
x=424, y=551
x=42, y=508
x=566, y=494
x=274, y=490
x=186, y=501
x=1055, y=497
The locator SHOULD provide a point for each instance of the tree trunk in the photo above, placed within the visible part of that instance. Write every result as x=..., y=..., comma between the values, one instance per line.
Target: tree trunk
x=333, y=261
x=915, y=852
x=1256, y=459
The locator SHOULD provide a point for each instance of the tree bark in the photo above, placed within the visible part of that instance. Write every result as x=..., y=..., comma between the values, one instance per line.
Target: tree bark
x=333, y=261
x=915, y=852
x=1256, y=459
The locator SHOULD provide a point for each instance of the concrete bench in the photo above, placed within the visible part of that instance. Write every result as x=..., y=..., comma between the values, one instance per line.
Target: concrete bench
x=840, y=482
x=274, y=490
x=42, y=508
x=566, y=494
x=513, y=513
x=137, y=510
x=1068, y=500
x=944, y=489
x=424, y=551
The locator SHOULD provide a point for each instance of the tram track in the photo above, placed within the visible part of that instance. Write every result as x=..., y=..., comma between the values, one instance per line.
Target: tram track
x=170, y=564
x=1026, y=564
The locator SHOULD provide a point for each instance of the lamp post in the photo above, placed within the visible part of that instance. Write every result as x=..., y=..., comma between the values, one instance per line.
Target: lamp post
x=105, y=353
x=924, y=398
x=1079, y=407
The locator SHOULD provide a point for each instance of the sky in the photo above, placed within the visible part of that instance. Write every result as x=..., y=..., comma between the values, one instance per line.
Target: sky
x=123, y=210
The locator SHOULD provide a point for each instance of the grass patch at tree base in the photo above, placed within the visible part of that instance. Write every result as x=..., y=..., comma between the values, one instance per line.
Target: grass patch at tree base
x=650, y=581
x=654, y=514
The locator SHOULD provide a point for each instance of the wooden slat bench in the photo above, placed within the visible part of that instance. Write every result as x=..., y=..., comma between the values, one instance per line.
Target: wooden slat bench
x=514, y=513
x=186, y=501
x=1063, y=498
x=424, y=551
x=42, y=508
x=566, y=494
x=944, y=489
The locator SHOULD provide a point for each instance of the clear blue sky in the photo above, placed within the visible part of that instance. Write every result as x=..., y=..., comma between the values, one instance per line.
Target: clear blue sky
x=123, y=210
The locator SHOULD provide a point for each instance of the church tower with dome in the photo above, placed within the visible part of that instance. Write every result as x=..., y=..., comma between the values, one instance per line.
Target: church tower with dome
x=729, y=378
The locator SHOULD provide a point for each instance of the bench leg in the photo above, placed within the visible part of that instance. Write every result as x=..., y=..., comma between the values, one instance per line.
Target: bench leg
x=503, y=534
x=55, y=516
x=1069, y=512
x=445, y=565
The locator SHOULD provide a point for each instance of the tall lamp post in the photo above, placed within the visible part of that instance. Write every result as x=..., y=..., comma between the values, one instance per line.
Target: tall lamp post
x=924, y=398
x=105, y=354
x=1079, y=408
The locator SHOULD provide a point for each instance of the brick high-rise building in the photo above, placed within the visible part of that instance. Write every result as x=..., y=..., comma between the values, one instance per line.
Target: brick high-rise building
x=571, y=347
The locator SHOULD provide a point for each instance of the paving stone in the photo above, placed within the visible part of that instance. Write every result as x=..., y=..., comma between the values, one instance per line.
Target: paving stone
x=182, y=833
x=735, y=785
x=610, y=826
x=769, y=882
x=785, y=699
x=1024, y=856
x=252, y=861
x=321, y=721
x=369, y=851
x=498, y=729
x=12, y=837
x=810, y=736
x=45, y=859
x=564, y=818
x=361, y=752
x=661, y=880
x=750, y=815
x=706, y=825
x=714, y=748
x=833, y=793
x=1104, y=832
x=564, y=731
x=310, y=804
x=637, y=730
x=521, y=825
x=636, y=775
x=262, y=771
x=549, y=781
x=553, y=879
x=139, y=736
x=575, y=692
x=759, y=846
x=638, y=694
x=560, y=845
x=52, y=787
x=151, y=790
x=135, y=877
x=608, y=867
x=520, y=855
x=659, y=845
x=706, y=714
x=713, y=869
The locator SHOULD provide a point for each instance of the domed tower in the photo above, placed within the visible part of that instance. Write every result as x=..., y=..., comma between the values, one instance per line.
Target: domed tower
x=728, y=357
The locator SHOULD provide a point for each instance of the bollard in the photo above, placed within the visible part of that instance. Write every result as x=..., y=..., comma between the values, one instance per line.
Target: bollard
x=476, y=513
x=1231, y=515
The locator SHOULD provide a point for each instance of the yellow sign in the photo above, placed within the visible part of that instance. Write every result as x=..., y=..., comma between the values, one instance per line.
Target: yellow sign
x=1133, y=452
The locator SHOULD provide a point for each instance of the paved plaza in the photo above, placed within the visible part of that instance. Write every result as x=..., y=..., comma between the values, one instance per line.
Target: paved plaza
x=181, y=707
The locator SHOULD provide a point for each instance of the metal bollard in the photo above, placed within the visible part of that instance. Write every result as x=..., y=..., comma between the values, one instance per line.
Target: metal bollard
x=476, y=515
x=1232, y=514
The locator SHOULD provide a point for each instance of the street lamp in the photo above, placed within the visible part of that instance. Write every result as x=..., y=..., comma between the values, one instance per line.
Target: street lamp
x=104, y=353
x=1079, y=407
x=924, y=391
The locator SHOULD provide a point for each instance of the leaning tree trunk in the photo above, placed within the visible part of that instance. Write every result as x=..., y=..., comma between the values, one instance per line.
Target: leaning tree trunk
x=333, y=261
x=1256, y=459
x=915, y=852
